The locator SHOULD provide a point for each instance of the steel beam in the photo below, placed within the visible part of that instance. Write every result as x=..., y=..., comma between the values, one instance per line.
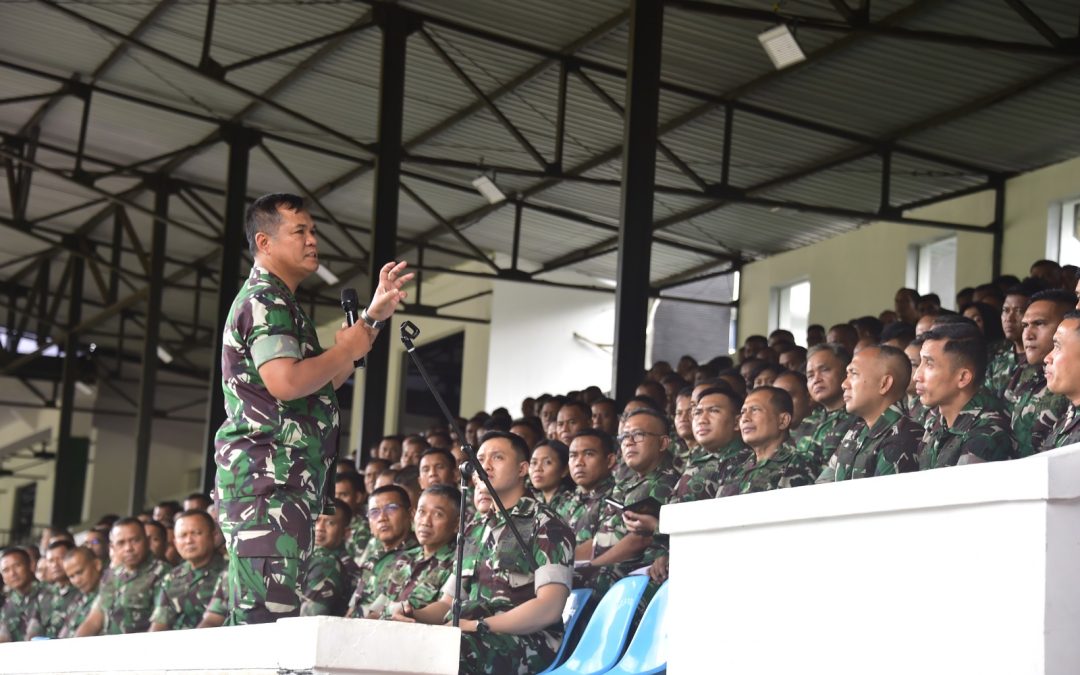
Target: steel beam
x=396, y=24
x=233, y=243
x=148, y=378
x=640, y=138
x=67, y=397
x=998, y=227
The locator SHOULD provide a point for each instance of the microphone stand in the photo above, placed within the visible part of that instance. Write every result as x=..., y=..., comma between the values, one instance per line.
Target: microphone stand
x=409, y=332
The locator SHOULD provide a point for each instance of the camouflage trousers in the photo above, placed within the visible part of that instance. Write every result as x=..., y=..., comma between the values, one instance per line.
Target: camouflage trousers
x=263, y=590
x=502, y=653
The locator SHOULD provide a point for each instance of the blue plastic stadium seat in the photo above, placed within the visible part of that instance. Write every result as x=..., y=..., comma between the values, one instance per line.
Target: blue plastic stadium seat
x=647, y=653
x=575, y=605
x=605, y=634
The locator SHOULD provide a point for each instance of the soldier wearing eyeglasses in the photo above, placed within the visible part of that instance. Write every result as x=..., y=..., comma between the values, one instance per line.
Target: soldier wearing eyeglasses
x=623, y=541
x=390, y=515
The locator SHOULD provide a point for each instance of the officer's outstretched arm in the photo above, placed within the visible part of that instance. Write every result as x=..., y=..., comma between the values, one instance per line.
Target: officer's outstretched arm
x=536, y=614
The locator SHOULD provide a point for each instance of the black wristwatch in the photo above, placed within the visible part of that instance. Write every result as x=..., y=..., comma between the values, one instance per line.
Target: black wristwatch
x=482, y=628
x=374, y=324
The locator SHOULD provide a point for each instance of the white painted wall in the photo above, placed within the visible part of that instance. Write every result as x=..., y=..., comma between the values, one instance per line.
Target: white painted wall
x=960, y=570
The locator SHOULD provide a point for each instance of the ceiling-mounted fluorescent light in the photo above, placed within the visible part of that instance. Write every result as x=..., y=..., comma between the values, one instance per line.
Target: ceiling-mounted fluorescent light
x=487, y=187
x=164, y=355
x=780, y=44
x=326, y=275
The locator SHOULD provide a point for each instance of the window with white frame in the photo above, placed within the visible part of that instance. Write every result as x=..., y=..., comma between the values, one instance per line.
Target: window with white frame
x=791, y=309
x=1068, y=235
x=932, y=269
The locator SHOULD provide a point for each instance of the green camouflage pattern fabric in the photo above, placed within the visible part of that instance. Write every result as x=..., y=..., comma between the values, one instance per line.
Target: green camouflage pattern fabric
x=349, y=569
x=583, y=508
x=999, y=370
x=359, y=535
x=981, y=430
x=915, y=410
x=126, y=598
x=54, y=605
x=806, y=427
x=497, y=576
x=185, y=593
x=1066, y=432
x=75, y=614
x=263, y=590
x=823, y=441
x=325, y=588
x=219, y=599
x=707, y=472
x=415, y=579
x=786, y=469
x=1035, y=410
x=560, y=500
x=681, y=452
x=660, y=485
x=375, y=565
x=890, y=446
x=20, y=617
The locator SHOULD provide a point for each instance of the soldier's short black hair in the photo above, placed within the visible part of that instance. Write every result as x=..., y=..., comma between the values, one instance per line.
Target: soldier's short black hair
x=871, y=325
x=162, y=530
x=378, y=460
x=898, y=330
x=451, y=493
x=799, y=377
x=442, y=452
x=779, y=399
x=16, y=550
x=80, y=551
x=991, y=289
x=1057, y=296
x=606, y=401
x=171, y=504
x=607, y=441
x=395, y=489
x=837, y=350
x=649, y=401
x=342, y=508
x=408, y=477
x=199, y=496
x=964, y=343
x=727, y=392
x=207, y=519
x=263, y=215
x=62, y=543
x=582, y=408
x=560, y=449
x=531, y=422
x=125, y=522
x=651, y=412
x=1072, y=314
x=685, y=391
x=353, y=479
x=516, y=442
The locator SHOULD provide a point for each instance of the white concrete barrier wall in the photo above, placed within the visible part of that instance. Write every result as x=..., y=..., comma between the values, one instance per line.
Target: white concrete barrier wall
x=964, y=570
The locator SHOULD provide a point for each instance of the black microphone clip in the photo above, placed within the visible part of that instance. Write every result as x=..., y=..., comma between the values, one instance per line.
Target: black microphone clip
x=409, y=332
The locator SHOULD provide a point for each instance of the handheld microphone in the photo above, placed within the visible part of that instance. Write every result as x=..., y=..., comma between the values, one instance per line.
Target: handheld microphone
x=349, y=303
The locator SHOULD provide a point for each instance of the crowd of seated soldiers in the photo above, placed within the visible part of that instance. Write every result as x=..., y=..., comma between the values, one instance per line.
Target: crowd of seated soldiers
x=918, y=387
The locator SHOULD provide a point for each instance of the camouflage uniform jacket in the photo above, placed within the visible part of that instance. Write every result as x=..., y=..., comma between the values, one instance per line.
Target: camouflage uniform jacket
x=416, y=580
x=914, y=409
x=1035, y=409
x=185, y=593
x=497, y=575
x=560, y=501
x=77, y=611
x=324, y=588
x=890, y=446
x=126, y=599
x=786, y=468
x=682, y=452
x=660, y=485
x=820, y=445
x=272, y=456
x=999, y=371
x=375, y=565
x=807, y=426
x=1066, y=432
x=359, y=535
x=981, y=429
x=708, y=471
x=583, y=509
x=55, y=602
x=219, y=599
x=20, y=617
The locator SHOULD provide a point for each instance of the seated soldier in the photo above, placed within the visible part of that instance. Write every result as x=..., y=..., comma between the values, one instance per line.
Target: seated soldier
x=794, y=359
x=196, y=501
x=437, y=467
x=887, y=441
x=526, y=427
x=349, y=488
x=418, y=576
x=326, y=585
x=605, y=416
x=1034, y=409
x=764, y=421
x=965, y=425
x=389, y=450
x=60, y=594
x=511, y=617
x=805, y=417
x=1063, y=377
x=390, y=515
x=126, y=598
x=186, y=589
x=411, y=450
x=549, y=473
x=623, y=542
x=573, y=417
x=684, y=424
x=842, y=334
x=913, y=405
x=158, y=539
x=372, y=469
x=408, y=479
x=20, y=617
x=83, y=569
x=592, y=458
x=825, y=369
x=716, y=419
x=1010, y=353
x=165, y=512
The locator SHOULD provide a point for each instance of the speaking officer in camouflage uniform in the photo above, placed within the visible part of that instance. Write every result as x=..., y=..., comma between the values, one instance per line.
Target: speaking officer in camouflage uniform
x=825, y=364
x=390, y=513
x=187, y=588
x=417, y=577
x=716, y=431
x=83, y=569
x=126, y=598
x=886, y=441
x=511, y=616
x=592, y=459
x=1063, y=377
x=1010, y=356
x=965, y=424
x=1035, y=410
x=763, y=423
x=280, y=433
x=326, y=585
x=20, y=616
